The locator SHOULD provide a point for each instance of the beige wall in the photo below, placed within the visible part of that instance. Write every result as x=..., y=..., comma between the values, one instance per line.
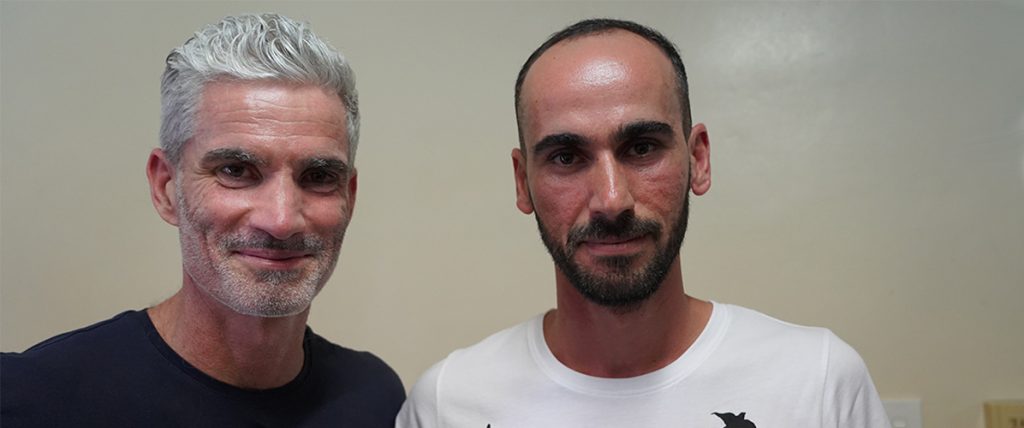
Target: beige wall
x=868, y=170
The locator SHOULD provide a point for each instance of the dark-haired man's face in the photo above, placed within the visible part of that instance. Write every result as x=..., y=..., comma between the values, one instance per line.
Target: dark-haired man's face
x=606, y=167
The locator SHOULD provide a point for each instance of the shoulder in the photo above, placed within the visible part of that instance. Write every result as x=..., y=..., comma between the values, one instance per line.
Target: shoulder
x=489, y=362
x=815, y=354
x=846, y=373
x=420, y=409
x=754, y=330
x=500, y=350
x=94, y=340
x=754, y=327
x=70, y=367
x=362, y=371
x=762, y=343
x=343, y=358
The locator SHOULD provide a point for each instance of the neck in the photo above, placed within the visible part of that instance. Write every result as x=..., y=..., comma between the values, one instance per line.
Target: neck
x=617, y=343
x=241, y=350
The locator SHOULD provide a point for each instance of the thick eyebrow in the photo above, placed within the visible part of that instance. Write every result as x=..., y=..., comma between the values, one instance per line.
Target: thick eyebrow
x=233, y=154
x=627, y=132
x=639, y=129
x=332, y=164
x=239, y=155
x=563, y=140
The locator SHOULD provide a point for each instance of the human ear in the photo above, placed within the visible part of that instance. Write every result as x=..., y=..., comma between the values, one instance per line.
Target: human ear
x=523, y=200
x=160, y=173
x=700, y=159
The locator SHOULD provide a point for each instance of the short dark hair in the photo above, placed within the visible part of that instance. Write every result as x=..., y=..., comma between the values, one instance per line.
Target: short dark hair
x=604, y=25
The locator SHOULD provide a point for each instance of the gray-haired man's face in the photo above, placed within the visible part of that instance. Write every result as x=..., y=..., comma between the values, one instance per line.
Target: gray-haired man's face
x=265, y=192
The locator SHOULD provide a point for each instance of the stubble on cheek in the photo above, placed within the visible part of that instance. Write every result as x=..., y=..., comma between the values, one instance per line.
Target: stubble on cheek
x=193, y=230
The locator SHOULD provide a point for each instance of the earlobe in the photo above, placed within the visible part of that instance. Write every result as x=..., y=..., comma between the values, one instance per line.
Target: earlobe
x=523, y=200
x=700, y=159
x=160, y=173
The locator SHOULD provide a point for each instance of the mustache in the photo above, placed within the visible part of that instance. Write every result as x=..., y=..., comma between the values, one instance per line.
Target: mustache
x=302, y=243
x=625, y=226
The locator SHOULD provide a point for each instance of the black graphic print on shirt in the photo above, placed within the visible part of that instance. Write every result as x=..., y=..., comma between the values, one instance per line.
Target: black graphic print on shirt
x=735, y=421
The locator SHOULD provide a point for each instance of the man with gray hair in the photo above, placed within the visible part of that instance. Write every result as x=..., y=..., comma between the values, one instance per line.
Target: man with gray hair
x=258, y=137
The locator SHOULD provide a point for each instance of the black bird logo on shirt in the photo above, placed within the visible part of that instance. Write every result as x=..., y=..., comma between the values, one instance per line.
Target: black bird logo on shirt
x=735, y=421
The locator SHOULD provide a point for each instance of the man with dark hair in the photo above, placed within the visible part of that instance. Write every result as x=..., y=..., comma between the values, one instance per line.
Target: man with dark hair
x=606, y=162
x=258, y=137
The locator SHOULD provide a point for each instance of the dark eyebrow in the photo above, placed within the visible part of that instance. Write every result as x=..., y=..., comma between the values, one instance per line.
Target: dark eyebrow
x=232, y=154
x=626, y=132
x=563, y=140
x=332, y=164
x=635, y=130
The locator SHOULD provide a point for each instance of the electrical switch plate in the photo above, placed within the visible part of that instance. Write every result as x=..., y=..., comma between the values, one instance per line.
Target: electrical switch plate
x=1004, y=414
x=904, y=413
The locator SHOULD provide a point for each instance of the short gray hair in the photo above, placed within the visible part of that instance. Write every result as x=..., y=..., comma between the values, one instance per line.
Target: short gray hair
x=250, y=47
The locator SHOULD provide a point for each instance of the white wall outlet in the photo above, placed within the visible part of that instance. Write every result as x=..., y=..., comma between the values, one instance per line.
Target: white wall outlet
x=903, y=413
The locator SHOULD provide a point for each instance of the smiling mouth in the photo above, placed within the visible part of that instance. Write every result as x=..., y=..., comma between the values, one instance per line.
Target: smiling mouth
x=273, y=258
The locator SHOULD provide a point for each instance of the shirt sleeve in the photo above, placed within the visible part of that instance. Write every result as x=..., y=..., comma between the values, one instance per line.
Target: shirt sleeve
x=850, y=399
x=420, y=409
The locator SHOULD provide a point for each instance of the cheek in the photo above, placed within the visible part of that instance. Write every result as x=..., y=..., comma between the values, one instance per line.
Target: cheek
x=328, y=215
x=223, y=212
x=663, y=191
x=209, y=210
x=559, y=203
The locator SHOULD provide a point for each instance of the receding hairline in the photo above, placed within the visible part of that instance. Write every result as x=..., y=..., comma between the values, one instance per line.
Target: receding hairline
x=604, y=32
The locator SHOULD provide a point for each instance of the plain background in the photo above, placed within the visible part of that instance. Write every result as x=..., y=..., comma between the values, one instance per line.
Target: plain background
x=867, y=170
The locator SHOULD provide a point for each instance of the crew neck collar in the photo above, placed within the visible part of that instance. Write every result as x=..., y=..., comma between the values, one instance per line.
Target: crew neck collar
x=675, y=371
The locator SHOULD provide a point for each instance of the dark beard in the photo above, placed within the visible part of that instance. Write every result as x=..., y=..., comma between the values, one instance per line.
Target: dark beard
x=623, y=289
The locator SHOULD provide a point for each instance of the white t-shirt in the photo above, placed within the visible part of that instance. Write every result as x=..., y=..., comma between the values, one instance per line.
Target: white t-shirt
x=750, y=369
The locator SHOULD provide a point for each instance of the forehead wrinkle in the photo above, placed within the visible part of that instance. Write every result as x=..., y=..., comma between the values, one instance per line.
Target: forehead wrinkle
x=274, y=114
x=254, y=109
x=270, y=129
x=254, y=118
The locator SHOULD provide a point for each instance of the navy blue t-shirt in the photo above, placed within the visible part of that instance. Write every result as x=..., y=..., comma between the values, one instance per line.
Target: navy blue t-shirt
x=120, y=372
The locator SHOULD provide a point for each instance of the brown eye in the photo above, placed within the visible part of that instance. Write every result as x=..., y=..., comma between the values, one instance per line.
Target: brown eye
x=321, y=180
x=565, y=158
x=236, y=171
x=641, y=149
x=236, y=175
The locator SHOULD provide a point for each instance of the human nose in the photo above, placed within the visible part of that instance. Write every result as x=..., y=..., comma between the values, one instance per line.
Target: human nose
x=610, y=194
x=278, y=209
